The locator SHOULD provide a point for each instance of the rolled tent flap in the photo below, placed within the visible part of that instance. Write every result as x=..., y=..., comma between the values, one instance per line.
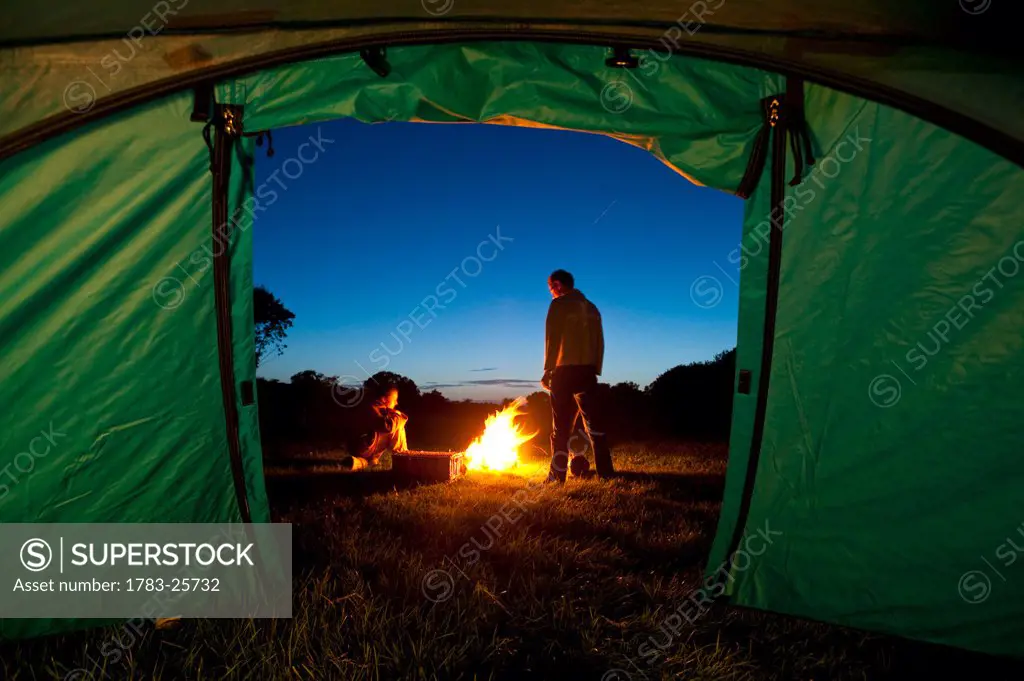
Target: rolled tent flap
x=698, y=116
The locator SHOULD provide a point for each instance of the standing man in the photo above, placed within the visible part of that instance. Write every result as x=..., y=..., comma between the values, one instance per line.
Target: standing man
x=573, y=358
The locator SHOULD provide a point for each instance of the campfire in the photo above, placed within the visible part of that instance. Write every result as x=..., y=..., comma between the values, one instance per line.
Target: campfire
x=498, y=448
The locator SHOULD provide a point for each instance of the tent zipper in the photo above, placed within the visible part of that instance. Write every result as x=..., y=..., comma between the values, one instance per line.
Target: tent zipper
x=227, y=125
x=779, y=124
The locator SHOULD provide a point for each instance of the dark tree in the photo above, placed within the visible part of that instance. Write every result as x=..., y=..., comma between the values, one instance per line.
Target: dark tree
x=314, y=410
x=312, y=377
x=538, y=416
x=273, y=320
x=433, y=402
x=695, y=400
x=687, y=402
x=628, y=412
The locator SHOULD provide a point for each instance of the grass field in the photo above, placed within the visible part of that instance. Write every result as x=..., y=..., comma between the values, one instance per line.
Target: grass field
x=498, y=577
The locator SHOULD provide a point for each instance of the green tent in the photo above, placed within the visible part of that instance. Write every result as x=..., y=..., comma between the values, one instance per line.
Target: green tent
x=872, y=479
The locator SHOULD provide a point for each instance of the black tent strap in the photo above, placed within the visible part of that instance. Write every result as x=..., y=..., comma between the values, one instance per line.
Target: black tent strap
x=377, y=59
x=791, y=122
x=202, y=102
x=270, y=141
x=796, y=126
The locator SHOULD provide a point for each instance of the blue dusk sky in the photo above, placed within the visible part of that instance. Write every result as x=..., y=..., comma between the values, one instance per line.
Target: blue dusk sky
x=424, y=249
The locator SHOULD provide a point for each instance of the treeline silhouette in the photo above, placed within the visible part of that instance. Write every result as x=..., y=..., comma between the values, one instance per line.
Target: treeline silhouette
x=312, y=413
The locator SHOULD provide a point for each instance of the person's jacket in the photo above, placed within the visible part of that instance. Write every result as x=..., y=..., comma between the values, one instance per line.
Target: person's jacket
x=573, y=333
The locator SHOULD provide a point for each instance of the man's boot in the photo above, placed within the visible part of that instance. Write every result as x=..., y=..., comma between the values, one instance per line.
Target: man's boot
x=559, y=465
x=579, y=466
x=602, y=456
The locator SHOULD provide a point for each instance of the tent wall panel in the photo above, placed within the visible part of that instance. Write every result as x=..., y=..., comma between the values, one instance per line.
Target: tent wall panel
x=106, y=311
x=890, y=461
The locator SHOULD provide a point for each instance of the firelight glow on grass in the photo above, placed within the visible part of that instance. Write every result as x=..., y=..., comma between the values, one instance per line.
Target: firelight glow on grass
x=498, y=448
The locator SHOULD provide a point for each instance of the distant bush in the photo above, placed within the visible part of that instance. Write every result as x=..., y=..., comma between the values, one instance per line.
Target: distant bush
x=690, y=401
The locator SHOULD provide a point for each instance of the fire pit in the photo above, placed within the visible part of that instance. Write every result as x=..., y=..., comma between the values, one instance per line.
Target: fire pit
x=429, y=466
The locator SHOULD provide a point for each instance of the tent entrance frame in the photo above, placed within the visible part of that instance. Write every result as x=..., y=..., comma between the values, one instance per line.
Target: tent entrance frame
x=783, y=121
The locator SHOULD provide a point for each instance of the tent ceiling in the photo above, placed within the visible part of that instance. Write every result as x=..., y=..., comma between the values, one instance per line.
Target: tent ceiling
x=942, y=24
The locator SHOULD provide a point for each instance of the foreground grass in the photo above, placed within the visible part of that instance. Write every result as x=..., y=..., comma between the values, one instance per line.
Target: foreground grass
x=497, y=577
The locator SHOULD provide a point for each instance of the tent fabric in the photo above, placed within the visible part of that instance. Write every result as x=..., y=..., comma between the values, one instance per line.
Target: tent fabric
x=108, y=323
x=59, y=65
x=889, y=462
x=113, y=408
x=751, y=259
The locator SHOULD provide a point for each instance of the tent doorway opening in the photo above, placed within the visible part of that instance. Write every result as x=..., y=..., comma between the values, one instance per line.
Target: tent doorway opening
x=394, y=290
x=722, y=126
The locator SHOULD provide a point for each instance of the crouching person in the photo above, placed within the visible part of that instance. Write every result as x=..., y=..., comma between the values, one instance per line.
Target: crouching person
x=380, y=429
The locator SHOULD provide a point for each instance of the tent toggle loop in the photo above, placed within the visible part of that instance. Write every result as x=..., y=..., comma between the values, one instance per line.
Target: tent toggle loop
x=209, y=141
x=376, y=58
x=270, y=142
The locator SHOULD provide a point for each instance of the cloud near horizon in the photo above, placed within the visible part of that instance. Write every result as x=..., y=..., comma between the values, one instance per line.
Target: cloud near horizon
x=491, y=382
x=486, y=369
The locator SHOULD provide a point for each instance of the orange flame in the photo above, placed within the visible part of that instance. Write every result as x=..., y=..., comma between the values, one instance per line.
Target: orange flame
x=498, y=448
